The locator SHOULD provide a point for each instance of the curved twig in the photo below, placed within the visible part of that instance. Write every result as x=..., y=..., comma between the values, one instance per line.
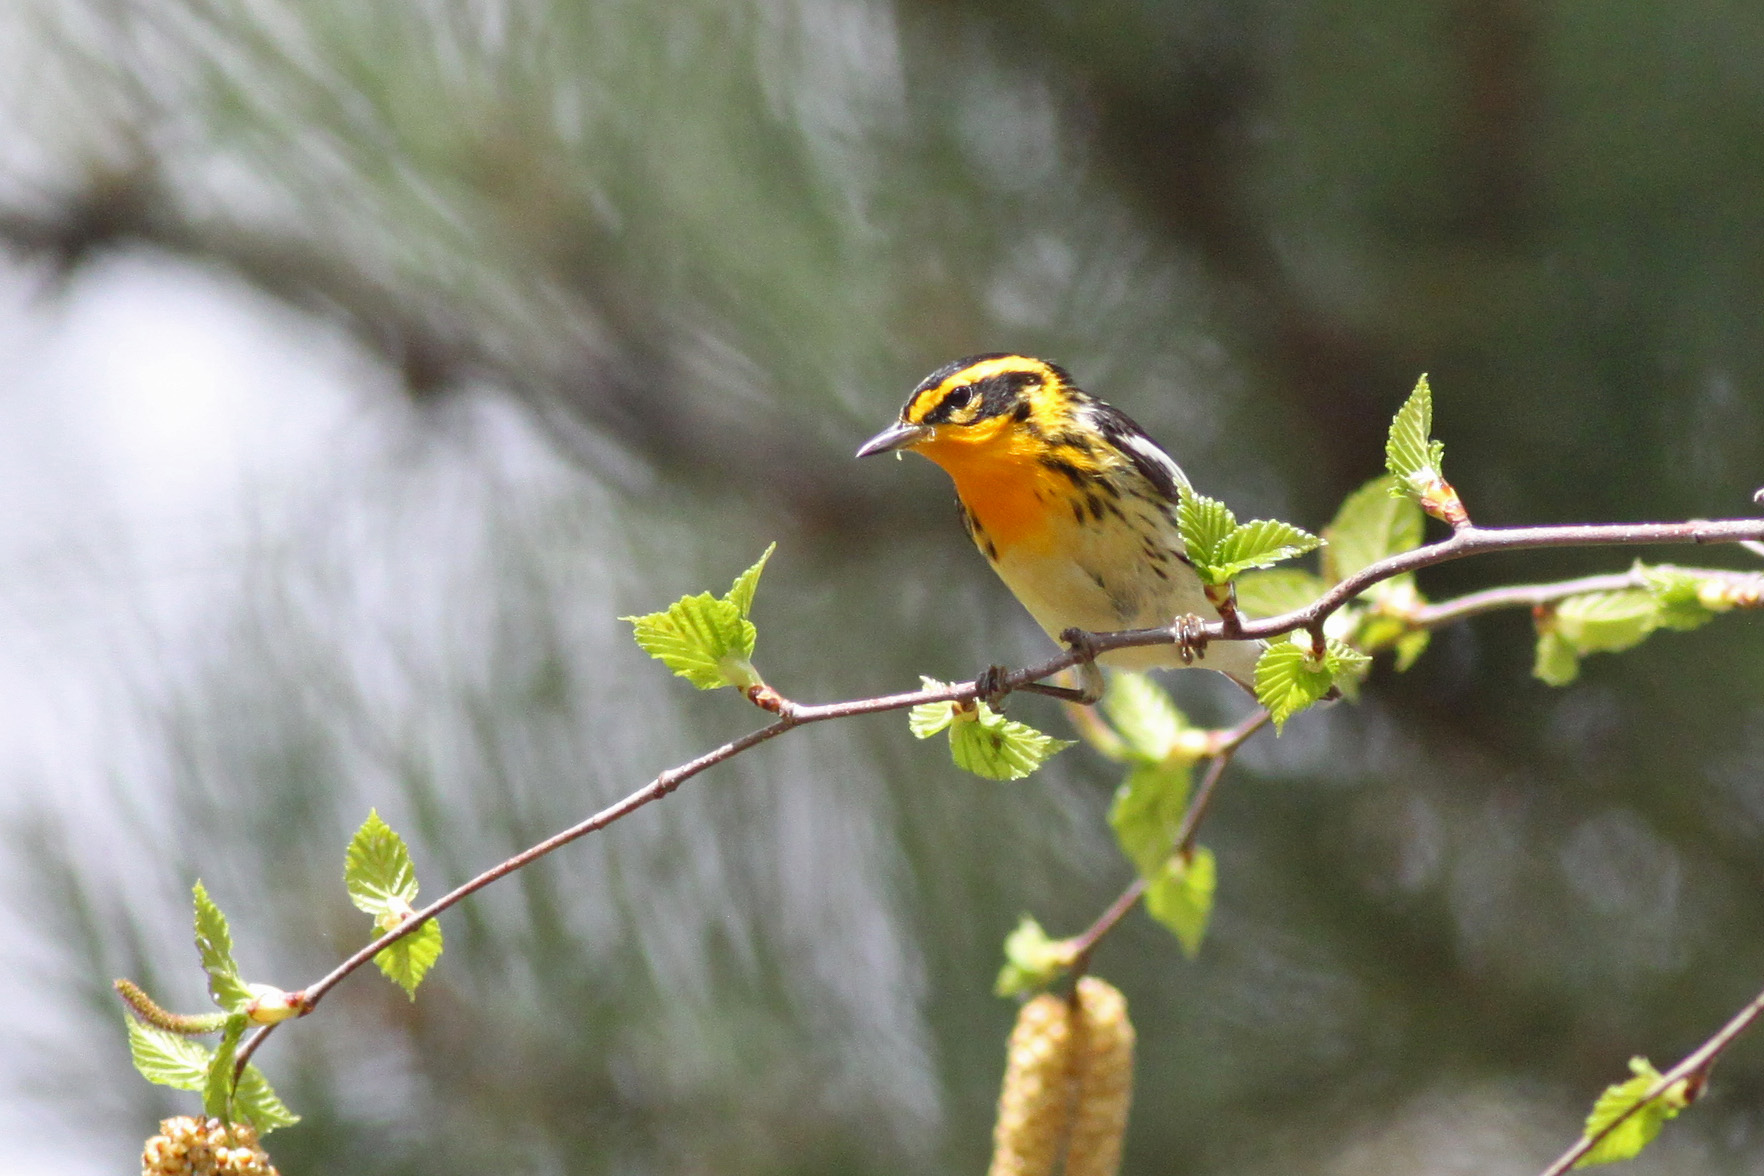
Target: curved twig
x=1464, y=541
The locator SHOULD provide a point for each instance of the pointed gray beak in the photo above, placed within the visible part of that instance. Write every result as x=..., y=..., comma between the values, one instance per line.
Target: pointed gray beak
x=895, y=437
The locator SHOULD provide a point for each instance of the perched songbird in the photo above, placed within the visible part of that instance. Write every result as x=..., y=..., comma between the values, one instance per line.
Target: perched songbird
x=1069, y=500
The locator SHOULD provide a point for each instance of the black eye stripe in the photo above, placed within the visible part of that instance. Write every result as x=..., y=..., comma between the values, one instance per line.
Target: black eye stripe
x=997, y=394
x=953, y=401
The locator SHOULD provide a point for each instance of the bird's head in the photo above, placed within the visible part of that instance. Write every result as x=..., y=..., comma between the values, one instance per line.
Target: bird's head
x=972, y=405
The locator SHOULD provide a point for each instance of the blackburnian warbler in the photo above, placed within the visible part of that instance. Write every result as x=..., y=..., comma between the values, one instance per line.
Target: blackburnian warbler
x=1070, y=501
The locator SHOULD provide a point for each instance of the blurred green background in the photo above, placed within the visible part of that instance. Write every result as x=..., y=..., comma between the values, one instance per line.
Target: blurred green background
x=364, y=361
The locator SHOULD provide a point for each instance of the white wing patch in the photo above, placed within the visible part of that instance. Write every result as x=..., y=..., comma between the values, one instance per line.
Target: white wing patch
x=1151, y=451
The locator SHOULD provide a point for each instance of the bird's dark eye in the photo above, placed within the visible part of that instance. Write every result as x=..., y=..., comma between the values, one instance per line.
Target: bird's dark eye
x=958, y=399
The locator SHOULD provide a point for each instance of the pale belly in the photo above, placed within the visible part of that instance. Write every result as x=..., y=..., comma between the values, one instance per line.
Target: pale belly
x=1069, y=588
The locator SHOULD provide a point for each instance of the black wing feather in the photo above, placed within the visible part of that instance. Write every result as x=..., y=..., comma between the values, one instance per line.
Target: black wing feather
x=1147, y=456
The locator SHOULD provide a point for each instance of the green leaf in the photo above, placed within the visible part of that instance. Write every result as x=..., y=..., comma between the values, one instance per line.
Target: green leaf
x=377, y=869
x=704, y=639
x=1032, y=960
x=1219, y=549
x=408, y=960
x=1556, y=663
x=1181, y=897
x=1147, y=814
x=217, y=1088
x=984, y=742
x=1280, y=590
x=1257, y=544
x=1289, y=679
x=1141, y=712
x=166, y=1059
x=1679, y=599
x=255, y=1101
x=1606, y=622
x=1204, y=522
x=1371, y=525
x=741, y=592
x=1409, y=453
x=1347, y=666
x=928, y=718
x=382, y=882
x=214, y=942
x=1629, y=1137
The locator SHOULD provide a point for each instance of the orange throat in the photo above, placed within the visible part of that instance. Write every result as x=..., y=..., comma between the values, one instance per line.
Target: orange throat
x=1010, y=494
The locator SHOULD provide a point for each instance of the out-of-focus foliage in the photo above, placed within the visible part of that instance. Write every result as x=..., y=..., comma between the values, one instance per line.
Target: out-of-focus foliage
x=707, y=248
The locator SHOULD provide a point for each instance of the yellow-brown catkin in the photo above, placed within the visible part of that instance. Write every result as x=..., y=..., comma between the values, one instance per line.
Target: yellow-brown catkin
x=1035, y=1104
x=1068, y=1083
x=1104, y=1057
x=204, y=1147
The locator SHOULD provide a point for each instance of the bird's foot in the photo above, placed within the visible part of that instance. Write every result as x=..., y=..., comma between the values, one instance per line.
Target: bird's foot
x=1189, y=630
x=990, y=685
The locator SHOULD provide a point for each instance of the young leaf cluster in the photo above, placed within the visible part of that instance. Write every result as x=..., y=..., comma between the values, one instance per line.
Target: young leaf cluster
x=1645, y=1116
x=382, y=883
x=1417, y=461
x=1221, y=548
x=170, y=1059
x=1292, y=674
x=1613, y=621
x=704, y=639
x=983, y=741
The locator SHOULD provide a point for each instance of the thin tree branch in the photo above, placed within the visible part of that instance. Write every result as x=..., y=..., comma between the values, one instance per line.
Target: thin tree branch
x=1445, y=612
x=1695, y=1068
x=1224, y=747
x=1464, y=541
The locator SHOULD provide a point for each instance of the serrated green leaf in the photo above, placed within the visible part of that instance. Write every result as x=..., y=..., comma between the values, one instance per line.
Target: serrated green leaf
x=704, y=639
x=987, y=744
x=166, y=1059
x=700, y=638
x=928, y=718
x=1147, y=814
x=1181, y=897
x=1347, y=667
x=382, y=882
x=214, y=942
x=741, y=592
x=1555, y=663
x=1629, y=1137
x=1142, y=714
x=1288, y=680
x=255, y=1101
x=408, y=960
x=1032, y=960
x=1257, y=544
x=1204, y=522
x=217, y=1086
x=1409, y=453
x=1606, y=622
x=1344, y=662
x=1371, y=525
x=377, y=869
x=1276, y=591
